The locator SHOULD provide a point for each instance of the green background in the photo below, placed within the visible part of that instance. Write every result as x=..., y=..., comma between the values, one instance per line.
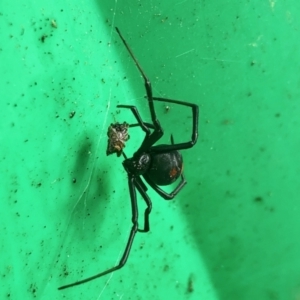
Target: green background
x=233, y=231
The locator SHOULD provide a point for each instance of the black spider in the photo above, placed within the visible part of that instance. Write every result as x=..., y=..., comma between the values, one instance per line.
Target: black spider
x=158, y=165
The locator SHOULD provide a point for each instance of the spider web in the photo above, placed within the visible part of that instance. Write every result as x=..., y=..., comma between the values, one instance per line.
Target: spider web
x=92, y=161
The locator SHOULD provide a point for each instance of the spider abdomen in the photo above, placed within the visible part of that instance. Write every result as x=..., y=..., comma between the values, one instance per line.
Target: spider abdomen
x=165, y=168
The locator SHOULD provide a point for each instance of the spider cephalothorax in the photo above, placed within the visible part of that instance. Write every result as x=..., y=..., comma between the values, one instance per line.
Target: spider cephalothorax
x=138, y=164
x=156, y=165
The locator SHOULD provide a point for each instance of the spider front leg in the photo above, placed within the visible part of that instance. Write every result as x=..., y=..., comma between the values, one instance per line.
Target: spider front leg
x=158, y=131
x=150, y=138
x=146, y=80
x=135, y=112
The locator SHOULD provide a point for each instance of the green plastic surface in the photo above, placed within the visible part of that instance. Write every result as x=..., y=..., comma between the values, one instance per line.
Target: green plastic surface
x=233, y=231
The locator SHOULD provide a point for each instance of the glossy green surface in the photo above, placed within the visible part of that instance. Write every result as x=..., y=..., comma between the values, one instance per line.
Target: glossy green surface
x=233, y=231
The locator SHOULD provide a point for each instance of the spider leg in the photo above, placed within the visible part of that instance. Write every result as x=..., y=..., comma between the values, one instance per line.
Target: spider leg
x=138, y=118
x=136, y=113
x=133, y=182
x=147, y=124
x=161, y=192
x=144, y=125
x=142, y=189
x=158, y=131
x=186, y=145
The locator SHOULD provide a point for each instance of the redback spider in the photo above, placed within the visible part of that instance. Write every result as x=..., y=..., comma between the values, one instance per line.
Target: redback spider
x=158, y=165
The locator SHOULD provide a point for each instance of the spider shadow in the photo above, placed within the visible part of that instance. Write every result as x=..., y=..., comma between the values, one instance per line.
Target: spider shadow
x=90, y=185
